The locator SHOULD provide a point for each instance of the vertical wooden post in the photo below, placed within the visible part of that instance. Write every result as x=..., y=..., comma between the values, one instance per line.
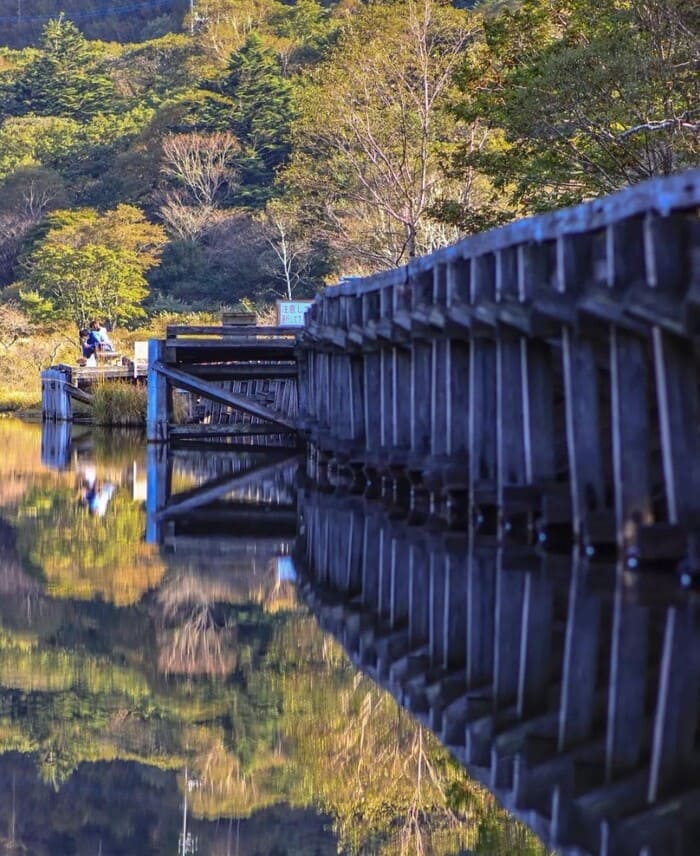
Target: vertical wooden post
x=582, y=428
x=628, y=683
x=158, y=488
x=159, y=409
x=675, y=722
x=510, y=588
x=630, y=431
x=480, y=614
x=580, y=661
x=677, y=396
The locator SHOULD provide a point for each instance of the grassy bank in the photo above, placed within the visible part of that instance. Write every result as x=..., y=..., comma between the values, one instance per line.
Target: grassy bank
x=119, y=404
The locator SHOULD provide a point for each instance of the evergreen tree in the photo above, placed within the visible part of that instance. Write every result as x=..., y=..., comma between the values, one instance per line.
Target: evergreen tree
x=66, y=79
x=261, y=116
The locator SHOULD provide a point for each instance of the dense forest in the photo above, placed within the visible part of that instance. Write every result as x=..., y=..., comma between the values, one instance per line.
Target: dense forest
x=177, y=159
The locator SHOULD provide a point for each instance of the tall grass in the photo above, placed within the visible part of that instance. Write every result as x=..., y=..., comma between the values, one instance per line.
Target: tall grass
x=118, y=403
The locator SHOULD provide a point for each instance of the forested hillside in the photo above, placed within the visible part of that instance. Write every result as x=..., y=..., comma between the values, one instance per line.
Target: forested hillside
x=248, y=149
x=22, y=21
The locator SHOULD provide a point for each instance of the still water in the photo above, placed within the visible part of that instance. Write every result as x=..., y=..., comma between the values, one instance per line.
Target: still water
x=164, y=689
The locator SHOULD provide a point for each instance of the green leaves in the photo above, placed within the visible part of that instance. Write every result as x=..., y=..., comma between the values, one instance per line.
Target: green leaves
x=583, y=104
x=89, y=265
x=66, y=79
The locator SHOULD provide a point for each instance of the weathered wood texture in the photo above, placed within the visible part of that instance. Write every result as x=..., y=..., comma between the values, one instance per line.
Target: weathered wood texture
x=571, y=695
x=545, y=371
x=241, y=382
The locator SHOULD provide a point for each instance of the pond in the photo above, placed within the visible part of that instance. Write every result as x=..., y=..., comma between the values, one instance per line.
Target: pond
x=165, y=689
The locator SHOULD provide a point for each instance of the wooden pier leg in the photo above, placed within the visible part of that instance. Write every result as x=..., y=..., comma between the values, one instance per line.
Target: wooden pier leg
x=437, y=595
x=630, y=433
x=455, y=609
x=159, y=469
x=371, y=378
x=160, y=396
x=582, y=429
x=439, y=393
x=421, y=359
x=383, y=547
x=538, y=411
x=535, y=643
x=357, y=405
x=628, y=683
x=386, y=397
x=677, y=395
x=419, y=596
x=400, y=558
x=371, y=562
x=481, y=600
x=510, y=588
x=401, y=400
x=482, y=414
x=675, y=723
x=353, y=585
x=509, y=414
x=457, y=429
x=580, y=660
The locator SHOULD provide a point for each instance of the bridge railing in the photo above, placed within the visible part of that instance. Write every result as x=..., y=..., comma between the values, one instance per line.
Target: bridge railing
x=547, y=367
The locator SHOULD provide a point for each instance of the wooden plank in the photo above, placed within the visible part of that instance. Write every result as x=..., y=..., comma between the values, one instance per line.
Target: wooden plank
x=79, y=394
x=243, y=371
x=186, y=381
x=233, y=331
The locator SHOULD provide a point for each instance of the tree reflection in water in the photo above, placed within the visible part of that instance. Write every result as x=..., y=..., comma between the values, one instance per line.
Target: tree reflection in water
x=133, y=664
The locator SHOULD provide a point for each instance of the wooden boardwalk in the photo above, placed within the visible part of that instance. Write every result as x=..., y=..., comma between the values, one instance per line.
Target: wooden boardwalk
x=541, y=374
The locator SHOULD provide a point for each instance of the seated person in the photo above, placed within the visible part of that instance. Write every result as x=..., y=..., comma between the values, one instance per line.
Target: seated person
x=98, y=338
x=87, y=350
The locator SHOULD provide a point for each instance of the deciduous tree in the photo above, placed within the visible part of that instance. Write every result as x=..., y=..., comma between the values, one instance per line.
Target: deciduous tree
x=89, y=264
x=373, y=130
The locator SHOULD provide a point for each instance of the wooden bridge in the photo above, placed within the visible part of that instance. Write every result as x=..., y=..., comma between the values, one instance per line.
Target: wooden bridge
x=566, y=685
x=541, y=377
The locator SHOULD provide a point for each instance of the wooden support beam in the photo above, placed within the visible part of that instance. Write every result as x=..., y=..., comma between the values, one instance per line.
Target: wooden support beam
x=79, y=394
x=218, y=488
x=183, y=380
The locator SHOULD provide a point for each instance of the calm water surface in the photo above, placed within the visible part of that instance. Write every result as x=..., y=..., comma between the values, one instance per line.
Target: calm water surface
x=163, y=690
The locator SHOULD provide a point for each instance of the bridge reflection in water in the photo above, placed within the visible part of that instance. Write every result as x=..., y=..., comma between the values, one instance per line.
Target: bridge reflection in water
x=568, y=687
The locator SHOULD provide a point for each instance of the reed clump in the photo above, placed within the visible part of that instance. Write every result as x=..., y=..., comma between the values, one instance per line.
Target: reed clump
x=119, y=404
